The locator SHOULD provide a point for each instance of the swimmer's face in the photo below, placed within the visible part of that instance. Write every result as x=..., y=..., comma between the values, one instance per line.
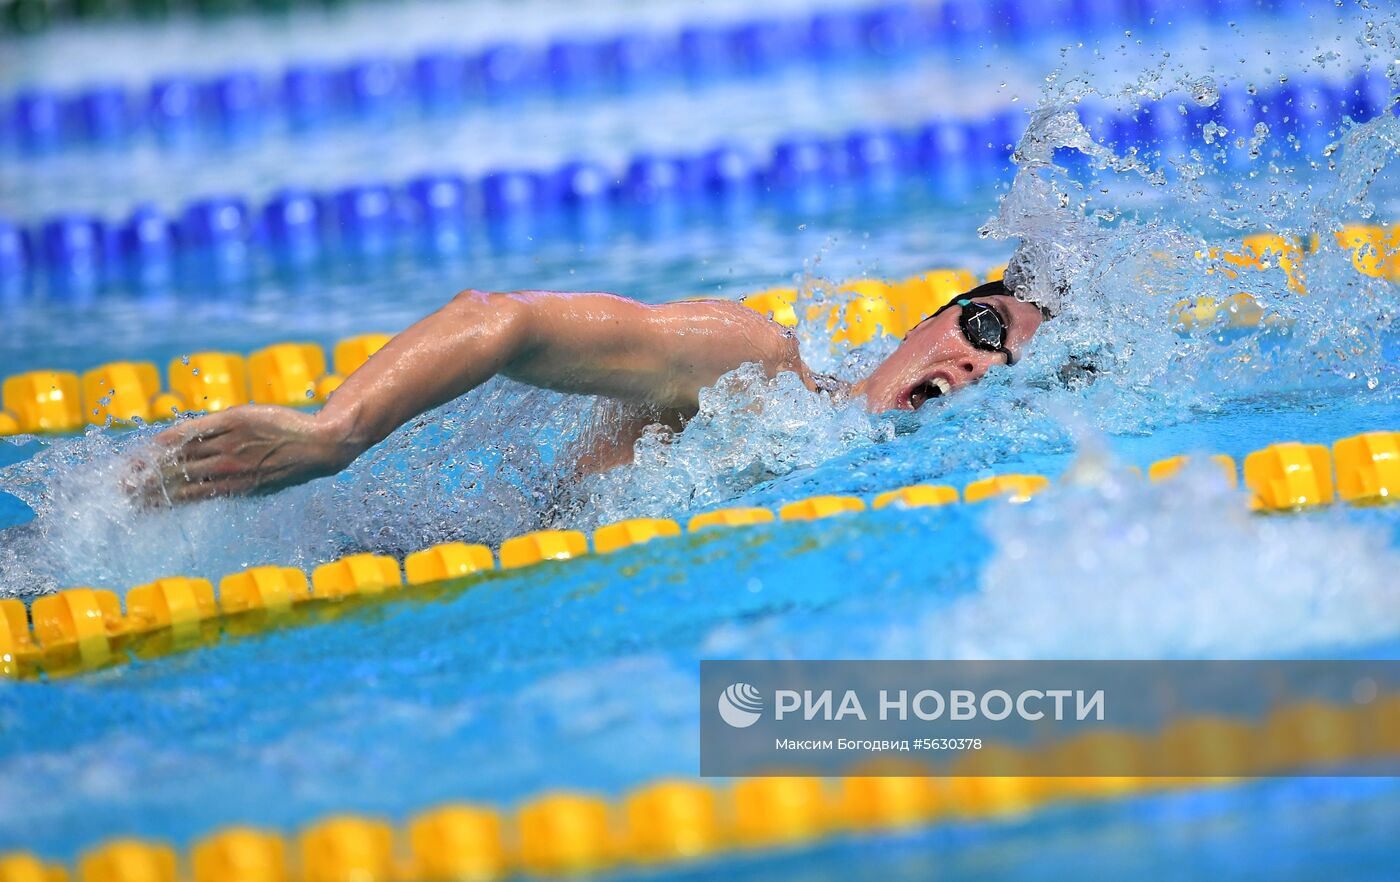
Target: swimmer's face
x=937, y=358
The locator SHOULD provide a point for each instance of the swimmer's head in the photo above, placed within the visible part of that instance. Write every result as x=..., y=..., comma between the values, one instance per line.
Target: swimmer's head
x=985, y=328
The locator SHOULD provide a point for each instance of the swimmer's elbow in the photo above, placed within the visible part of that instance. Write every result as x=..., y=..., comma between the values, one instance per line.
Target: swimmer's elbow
x=493, y=302
x=491, y=330
x=490, y=310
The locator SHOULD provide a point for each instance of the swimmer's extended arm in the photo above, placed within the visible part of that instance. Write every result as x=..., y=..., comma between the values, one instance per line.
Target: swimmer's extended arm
x=594, y=344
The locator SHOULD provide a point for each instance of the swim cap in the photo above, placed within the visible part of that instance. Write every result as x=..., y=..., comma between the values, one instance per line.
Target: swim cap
x=989, y=289
x=996, y=288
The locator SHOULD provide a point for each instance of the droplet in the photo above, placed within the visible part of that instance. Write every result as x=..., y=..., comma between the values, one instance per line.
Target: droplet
x=1203, y=91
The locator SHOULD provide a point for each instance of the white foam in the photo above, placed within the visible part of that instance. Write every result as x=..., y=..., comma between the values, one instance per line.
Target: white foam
x=1124, y=569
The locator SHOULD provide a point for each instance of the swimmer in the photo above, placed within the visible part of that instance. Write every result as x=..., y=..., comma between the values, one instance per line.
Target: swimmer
x=656, y=356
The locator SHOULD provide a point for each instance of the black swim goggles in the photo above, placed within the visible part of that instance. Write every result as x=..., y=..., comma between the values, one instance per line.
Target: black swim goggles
x=981, y=325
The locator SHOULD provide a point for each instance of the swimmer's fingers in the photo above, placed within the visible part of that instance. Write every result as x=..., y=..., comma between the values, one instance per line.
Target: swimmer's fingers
x=160, y=474
x=188, y=480
x=198, y=489
x=163, y=482
x=141, y=482
x=243, y=450
x=223, y=476
x=180, y=447
x=153, y=481
x=203, y=475
x=189, y=440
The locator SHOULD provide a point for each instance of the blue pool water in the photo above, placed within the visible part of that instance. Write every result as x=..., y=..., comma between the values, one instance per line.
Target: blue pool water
x=583, y=674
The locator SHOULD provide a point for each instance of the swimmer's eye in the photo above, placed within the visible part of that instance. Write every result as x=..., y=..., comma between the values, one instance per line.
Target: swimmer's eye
x=982, y=325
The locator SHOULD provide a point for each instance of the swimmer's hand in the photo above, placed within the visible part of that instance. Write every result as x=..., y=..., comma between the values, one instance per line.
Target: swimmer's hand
x=244, y=450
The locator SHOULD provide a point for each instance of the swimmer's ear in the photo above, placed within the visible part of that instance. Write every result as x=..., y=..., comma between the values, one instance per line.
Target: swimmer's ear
x=1078, y=372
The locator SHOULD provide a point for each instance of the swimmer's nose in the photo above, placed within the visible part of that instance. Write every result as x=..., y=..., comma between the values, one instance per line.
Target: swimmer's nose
x=975, y=369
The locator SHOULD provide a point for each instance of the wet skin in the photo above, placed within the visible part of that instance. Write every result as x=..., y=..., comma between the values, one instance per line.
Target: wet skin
x=659, y=357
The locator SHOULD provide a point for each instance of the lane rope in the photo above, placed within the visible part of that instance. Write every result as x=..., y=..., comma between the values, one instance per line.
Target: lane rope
x=223, y=236
x=81, y=629
x=295, y=374
x=674, y=821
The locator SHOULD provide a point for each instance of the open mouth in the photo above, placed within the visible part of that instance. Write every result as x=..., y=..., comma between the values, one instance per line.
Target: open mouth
x=933, y=387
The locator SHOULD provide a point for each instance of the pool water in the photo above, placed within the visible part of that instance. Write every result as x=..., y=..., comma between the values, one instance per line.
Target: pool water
x=583, y=674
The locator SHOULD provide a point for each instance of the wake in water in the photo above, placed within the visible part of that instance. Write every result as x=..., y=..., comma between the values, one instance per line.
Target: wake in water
x=1110, y=239
x=1109, y=566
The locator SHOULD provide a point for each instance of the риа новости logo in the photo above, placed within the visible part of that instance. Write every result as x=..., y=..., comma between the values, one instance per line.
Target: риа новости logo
x=740, y=705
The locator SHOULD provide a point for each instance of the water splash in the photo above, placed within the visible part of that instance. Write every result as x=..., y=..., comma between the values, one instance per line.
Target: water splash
x=482, y=468
x=750, y=429
x=1113, y=241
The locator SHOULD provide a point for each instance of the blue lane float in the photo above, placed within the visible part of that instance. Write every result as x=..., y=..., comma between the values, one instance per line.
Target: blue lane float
x=650, y=179
x=104, y=115
x=239, y=102
x=581, y=184
x=146, y=245
x=880, y=154
x=172, y=104
x=439, y=203
x=244, y=104
x=375, y=86
x=438, y=75
x=74, y=242
x=37, y=119
x=1308, y=111
x=309, y=95
x=442, y=209
x=14, y=254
